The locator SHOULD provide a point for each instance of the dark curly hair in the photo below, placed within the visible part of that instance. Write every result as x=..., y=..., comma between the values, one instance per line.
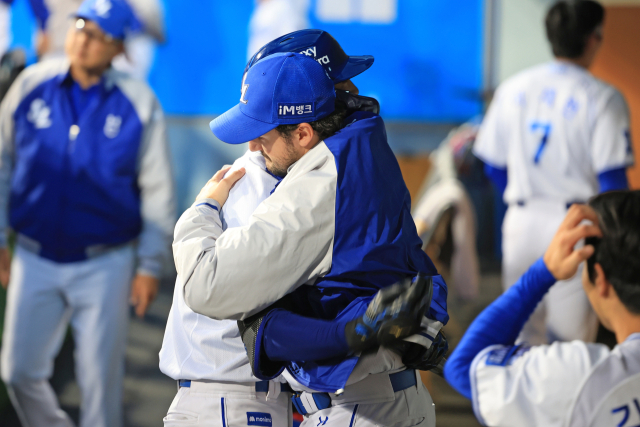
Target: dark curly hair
x=618, y=250
x=569, y=23
x=325, y=127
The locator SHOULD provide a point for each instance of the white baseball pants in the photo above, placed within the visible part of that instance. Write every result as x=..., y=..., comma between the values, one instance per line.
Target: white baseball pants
x=564, y=314
x=43, y=298
x=411, y=407
x=215, y=404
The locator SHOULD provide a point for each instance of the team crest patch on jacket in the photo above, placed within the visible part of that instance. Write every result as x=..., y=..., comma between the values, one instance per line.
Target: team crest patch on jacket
x=259, y=419
x=39, y=114
x=112, y=126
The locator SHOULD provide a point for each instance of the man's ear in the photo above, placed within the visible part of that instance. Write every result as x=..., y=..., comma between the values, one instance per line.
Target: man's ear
x=603, y=287
x=305, y=135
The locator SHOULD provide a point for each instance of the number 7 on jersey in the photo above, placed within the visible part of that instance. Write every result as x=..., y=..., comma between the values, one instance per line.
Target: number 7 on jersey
x=545, y=127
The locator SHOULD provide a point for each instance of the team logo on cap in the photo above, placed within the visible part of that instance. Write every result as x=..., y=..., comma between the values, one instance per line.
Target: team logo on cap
x=102, y=8
x=287, y=110
x=243, y=89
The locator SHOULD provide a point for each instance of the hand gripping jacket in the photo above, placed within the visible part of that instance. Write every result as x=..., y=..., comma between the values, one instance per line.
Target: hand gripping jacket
x=396, y=312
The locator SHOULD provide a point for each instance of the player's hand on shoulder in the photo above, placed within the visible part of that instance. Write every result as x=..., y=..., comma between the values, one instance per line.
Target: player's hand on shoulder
x=5, y=267
x=218, y=187
x=562, y=258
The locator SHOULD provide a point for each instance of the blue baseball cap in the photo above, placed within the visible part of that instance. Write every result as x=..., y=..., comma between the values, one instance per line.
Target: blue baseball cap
x=281, y=89
x=115, y=17
x=322, y=47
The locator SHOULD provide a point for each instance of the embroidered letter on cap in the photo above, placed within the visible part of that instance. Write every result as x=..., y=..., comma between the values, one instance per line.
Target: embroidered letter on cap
x=288, y=110
x=259, y=419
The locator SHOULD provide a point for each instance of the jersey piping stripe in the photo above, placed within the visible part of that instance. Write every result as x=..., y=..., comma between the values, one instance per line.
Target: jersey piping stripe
x=208, y=204
x=424, y=334
x=353, y=416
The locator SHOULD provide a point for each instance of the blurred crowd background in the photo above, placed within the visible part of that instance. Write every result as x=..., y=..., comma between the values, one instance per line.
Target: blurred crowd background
x=436, y=66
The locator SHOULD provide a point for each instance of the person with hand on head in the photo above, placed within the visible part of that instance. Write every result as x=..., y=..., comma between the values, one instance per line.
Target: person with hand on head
x=567, y=384
x=86, y=186
x=555, y=135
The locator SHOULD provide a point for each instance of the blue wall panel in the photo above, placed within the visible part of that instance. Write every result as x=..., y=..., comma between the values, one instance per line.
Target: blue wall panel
x=428, y=59
x=428, y=62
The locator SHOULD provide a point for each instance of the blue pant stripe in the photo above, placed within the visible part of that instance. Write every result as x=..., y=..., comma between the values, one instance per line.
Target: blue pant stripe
x=224, y=422
x=353, y=416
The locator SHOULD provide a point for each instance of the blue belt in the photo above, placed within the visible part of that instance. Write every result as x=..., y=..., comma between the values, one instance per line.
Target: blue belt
x=399, y=381
x=261, y=386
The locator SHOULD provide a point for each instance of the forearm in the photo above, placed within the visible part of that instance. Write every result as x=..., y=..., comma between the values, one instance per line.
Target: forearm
x=236, y=273
x=158, y=210
x=157, y=196
x=194, y=252
x=500, y=323
x=291, y=337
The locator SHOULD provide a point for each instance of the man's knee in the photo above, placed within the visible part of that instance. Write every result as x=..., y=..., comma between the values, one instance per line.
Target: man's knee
x=16, y=371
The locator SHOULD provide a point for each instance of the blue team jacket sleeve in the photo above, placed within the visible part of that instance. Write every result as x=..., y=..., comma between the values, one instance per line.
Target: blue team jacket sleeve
x=157, y=196
x=497, y=175
x=500, y=323
x=614, y=179
x=289, y=337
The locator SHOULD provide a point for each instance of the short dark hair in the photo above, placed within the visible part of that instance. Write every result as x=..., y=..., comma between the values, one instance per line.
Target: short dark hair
x=325, y=127
x=569, y=24
x=618, y=251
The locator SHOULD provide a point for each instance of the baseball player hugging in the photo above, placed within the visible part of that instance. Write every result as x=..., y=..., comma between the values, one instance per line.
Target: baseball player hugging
x=267, y=240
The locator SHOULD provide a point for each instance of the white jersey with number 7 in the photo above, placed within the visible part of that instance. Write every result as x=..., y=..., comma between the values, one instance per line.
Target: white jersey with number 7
x=555, y=127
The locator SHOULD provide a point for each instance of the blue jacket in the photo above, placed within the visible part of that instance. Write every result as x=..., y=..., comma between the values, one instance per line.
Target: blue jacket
x=80, y=182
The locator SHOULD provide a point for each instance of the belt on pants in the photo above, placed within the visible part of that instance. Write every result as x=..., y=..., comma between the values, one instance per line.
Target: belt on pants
x=308, y=403
x=60, y=256
x=261, y=386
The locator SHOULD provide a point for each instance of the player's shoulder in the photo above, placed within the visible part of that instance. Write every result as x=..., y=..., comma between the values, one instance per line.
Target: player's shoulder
x=47, y=68
x=251, y=161
x=522, y=80
x=600, y=90
x=128, y=83
x=562, y=356
x=40, y=72
x=587, y=354
x=136, y=91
